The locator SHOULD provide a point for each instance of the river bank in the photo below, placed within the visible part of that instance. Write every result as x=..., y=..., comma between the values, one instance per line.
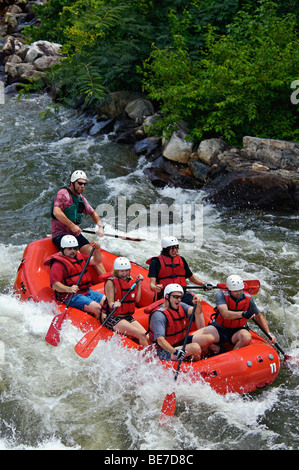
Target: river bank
x=263, y=174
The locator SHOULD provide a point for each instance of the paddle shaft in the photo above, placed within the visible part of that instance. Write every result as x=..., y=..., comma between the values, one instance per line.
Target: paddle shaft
x=185, y=342
x=53, y=336
x=252, y=287
x=268, y=336
x=88, y=343
x=169, y=403
x=112, y=312
x=124, y=237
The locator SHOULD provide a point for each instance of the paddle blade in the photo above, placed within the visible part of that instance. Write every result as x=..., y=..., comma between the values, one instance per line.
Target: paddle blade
x=290, y=361
x=88, y=343
x=53, y=335
x=168, y=408
x=251, y=286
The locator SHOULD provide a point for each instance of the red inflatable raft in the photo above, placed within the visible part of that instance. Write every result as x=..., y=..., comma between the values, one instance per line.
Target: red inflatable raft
x=244, y=370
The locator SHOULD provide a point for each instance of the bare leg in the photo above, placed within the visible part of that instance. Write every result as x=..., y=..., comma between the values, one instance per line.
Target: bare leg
x=132, y=329
x=95, y=308
x=241, y=338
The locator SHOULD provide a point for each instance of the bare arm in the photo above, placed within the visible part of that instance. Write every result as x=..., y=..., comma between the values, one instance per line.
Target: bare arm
x=195, y=280
x=154, y=286
x=59, y=287
x=199, y=318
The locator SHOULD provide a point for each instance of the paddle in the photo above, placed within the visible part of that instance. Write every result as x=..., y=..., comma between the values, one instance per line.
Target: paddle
x=286, y=356
x=168, y=407
x=252, y=287
x=117, y=236
x=53, y=335
x=89, y=342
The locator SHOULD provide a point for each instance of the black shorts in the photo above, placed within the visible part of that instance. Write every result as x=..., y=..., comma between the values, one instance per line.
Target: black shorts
x=115, y=319
x=82, y=241
x=226, y=334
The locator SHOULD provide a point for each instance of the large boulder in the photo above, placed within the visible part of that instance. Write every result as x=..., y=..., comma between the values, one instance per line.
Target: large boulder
x=210, y=148
x=116, y=104
x=262, y=175
x=178, y=148
x=139, y=108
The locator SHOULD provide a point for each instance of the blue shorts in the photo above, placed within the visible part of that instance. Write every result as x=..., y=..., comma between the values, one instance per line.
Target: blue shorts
x=79, y=301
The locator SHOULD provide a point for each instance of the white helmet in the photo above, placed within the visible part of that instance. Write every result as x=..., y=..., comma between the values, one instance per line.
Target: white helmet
x=121, y=263
x=173, y=288
x=234, y=283
x=78, y=174
x=68, y=241
x=168, y=241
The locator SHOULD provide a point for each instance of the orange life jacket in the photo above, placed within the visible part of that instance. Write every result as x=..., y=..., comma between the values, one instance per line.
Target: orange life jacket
x=127, y=307
x=172, y=270
x=233, y=304
x=74, y=268
x=176, y=322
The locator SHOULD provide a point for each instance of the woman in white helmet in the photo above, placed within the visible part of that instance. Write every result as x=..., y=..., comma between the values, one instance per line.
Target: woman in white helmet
x=67, y=208
x=65, y=270
x=168, y=324
x=169, y=267
x=233, y=308
x=122, y=321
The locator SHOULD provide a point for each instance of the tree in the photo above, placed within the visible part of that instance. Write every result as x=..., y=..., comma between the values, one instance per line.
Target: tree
x=240, y=85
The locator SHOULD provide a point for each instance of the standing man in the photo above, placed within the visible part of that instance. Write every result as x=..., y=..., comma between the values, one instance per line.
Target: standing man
x=169, y=267
x=67, y=208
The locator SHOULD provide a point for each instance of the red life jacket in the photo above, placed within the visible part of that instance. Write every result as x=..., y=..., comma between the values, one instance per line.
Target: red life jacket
x=176, y=322
x=172, y=270
x=127, y=307
x=234, y=305
x=74, y=268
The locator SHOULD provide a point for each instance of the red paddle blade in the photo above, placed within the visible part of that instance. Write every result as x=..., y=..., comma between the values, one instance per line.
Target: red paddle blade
x=251, y=286
x=88, y=343
x=53, y=335
x=168, y=408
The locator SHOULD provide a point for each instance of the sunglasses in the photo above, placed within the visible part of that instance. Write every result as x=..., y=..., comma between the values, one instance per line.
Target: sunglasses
x=175, y=247
x=177, y=297
x=81, y=183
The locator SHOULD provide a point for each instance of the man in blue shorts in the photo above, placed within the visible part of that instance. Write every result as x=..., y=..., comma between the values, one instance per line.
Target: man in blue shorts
x=65, y=270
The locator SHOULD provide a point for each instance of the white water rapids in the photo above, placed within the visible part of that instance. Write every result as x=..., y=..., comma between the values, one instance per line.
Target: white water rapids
x=52, y=399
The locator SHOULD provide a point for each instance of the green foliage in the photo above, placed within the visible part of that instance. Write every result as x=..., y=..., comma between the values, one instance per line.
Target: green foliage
x=240, y=86
x=223, y=66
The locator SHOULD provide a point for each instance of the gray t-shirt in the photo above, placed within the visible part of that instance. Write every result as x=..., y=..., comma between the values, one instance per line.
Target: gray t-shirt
x=220, y=300
x=158, y=321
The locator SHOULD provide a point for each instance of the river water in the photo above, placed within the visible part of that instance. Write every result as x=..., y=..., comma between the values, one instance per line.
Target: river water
x=52, y=399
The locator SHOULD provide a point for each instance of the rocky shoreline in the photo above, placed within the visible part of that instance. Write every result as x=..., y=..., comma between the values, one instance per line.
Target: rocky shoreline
x=263, y=174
